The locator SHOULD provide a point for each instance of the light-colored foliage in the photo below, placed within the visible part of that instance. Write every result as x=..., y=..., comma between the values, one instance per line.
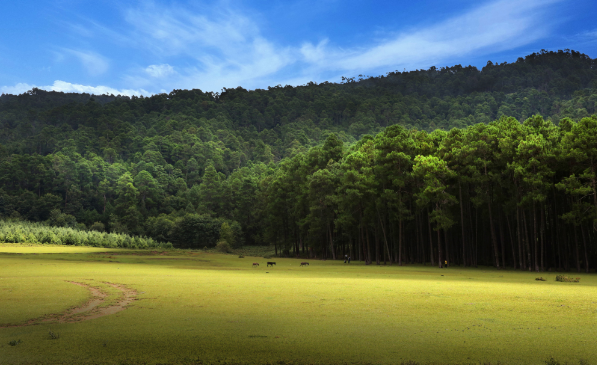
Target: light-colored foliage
x=37, y=233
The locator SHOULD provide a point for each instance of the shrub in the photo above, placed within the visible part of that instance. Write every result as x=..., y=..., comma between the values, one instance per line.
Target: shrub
x=59, y=219
x=27, y=232
x=223, y=246
x=226, y=234
x=98, y=226
x=564, y=278
x=31, y=238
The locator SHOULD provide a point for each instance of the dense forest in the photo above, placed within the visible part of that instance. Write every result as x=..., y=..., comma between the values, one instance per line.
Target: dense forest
x=459, y=165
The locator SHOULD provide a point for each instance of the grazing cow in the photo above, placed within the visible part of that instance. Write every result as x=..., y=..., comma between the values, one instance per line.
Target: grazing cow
x=304, y=263
x=255, y=264
x=270, y=263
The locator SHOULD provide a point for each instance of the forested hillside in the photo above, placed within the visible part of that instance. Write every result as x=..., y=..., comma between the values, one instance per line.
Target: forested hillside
x=447, y=164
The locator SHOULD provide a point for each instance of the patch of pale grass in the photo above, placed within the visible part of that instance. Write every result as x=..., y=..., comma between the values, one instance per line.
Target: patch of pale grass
x=198, y=305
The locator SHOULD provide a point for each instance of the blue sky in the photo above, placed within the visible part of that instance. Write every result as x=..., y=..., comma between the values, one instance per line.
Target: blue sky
x=143, y=47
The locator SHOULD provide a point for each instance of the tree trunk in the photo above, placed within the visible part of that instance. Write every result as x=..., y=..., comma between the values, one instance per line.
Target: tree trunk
x=584, y=240
x=527, y=239
x=462, y=226
x=385, y=237
x=502, y=239
x=350, y=248
x=449, y=259
x=430, y=240
x=577, y=254
x=439, y=250
x=493, y=238
x=400, y=249
x=535, y=238
x=511, y=242
x=519, y=238
x=566, y=249
x=542, y=236
x=375, y=235
x=593, y=184
x=476, y=257
x=422, y=240
x=439, y=243
x=331, y=242
x=368, y=258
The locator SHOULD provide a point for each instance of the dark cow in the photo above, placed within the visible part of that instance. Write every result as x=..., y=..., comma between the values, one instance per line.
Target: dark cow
x=270, y=263
x=304, y=263
x=255, y=264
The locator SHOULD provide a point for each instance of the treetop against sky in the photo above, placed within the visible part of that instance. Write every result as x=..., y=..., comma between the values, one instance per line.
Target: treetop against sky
x=144, y=47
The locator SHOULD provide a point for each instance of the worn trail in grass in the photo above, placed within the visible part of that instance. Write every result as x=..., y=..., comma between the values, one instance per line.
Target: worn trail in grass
x=196, y=305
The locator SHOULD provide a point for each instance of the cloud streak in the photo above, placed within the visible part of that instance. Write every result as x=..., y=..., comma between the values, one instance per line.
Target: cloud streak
x=228, y=49
x=68, y=87
x=490, y=28
x=159, y=70
x=94, y=63
x=225, y=47
x=211, y=47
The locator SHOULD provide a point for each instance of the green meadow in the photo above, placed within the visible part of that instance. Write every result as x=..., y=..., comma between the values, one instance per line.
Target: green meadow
x=203, y=307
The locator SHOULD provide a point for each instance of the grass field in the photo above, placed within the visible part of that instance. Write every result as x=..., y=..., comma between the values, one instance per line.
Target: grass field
x=200, y=306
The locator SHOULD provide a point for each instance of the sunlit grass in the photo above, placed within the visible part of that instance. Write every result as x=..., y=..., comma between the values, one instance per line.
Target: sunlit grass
x=198, y=305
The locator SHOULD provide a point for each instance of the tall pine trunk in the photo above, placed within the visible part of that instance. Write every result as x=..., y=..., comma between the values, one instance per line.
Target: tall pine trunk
x=527, y=241
x=462, y=226
x=439, y=242
x=430, y=239
x=535, y=237
x=576, y=245
x=493, y=238
x=511, y=242
x=584, y=240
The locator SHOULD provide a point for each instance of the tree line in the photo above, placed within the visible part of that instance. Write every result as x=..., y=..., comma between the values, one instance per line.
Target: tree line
x=507, y=194
x=178, y=166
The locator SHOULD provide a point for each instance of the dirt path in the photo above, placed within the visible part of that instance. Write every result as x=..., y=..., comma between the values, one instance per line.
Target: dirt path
x=90, y=310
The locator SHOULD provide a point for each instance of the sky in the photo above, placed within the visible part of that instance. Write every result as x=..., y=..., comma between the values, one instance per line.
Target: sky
x=148, y=47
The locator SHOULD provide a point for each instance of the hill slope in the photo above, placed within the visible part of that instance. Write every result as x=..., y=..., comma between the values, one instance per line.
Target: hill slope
x=177, y=166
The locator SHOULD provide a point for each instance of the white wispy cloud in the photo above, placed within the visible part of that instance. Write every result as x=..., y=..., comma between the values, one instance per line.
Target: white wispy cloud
x=492, y=27
x=94, y=63
x=225, y=46
x=215, y=46
x=68, y=87
x=229, y=49
x=184, y=30
x=588, y=35
x=159, y=70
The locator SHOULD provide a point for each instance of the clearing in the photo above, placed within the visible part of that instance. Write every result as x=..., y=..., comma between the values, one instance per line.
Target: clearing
x=123, y=306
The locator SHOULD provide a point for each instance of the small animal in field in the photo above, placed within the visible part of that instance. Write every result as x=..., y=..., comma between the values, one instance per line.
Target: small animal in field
x=304, y=263
x=270, y=263
x=255, y=264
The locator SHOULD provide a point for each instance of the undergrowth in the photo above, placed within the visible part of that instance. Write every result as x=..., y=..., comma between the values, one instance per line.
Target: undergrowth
x=38, y=233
